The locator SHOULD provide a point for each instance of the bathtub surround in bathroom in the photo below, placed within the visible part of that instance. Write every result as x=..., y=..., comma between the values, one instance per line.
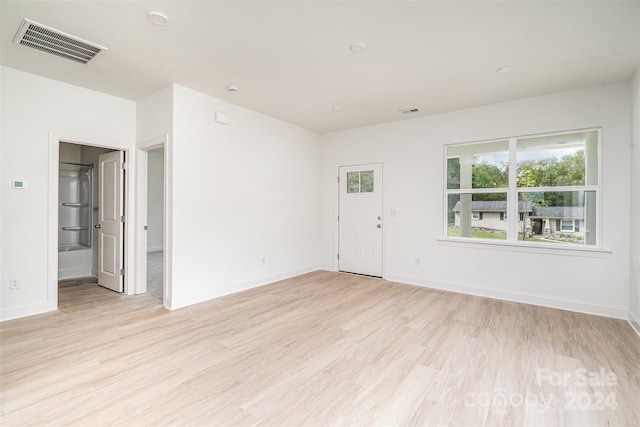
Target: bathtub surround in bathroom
x=75, y=225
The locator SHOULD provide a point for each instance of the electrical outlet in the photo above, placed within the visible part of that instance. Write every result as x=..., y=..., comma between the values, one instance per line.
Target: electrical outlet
x=14, y=284
x=417, y=261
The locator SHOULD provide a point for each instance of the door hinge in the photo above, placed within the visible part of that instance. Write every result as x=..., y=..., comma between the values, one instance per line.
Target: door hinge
x=146, y=227
x=338, y=218
x=123, y=166
x=123, y=219
x=338, y=256
x=122, y=271
x=338, y=178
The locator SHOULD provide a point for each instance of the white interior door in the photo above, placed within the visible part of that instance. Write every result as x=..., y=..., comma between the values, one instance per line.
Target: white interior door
x=360, y=219
x=110, y=225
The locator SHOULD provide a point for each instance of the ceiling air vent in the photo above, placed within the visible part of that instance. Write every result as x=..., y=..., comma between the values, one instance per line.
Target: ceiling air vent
x=55, y=42
x=410, y=110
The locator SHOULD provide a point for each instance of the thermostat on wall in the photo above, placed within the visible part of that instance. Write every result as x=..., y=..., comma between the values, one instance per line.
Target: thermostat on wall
x=18, y=184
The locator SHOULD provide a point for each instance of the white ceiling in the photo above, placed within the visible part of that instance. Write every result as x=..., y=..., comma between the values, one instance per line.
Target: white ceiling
x=291, y=59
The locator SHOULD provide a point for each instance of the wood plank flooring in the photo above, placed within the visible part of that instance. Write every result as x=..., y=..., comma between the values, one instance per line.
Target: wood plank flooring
x=317, y=350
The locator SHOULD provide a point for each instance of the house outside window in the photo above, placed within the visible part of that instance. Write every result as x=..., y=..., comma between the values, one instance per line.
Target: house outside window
x=539, y=189
x=567, y=225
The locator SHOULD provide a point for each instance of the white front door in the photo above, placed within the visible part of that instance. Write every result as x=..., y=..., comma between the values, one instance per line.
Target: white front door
x=360, y=219
x=110, y=226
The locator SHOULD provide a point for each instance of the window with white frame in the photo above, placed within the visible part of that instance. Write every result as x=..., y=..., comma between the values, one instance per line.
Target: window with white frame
x=567, y=225
x=539, y=189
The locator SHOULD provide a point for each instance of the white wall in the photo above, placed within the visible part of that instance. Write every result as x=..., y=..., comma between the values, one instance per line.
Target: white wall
x=634, y=288
x=240, y=193
x=412, y=153
x=154, y=115
x=155, y=199
x=33, y=106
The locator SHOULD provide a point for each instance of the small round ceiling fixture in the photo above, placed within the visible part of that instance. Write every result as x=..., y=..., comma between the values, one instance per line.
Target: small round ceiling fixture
x=357, y=47
x=232, y=88
x=158, y=18
x=505, y=69
x=336, y=108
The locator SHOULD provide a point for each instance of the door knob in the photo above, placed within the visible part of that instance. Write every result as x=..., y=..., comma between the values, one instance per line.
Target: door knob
x=379, y=225
x=97, y=226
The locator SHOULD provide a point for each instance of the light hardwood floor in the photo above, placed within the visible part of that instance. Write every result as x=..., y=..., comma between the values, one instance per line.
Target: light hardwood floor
x=319, y=349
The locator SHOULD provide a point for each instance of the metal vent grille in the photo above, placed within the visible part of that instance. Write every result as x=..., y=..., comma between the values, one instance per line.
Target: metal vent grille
x=49, y=40
x=410, y=110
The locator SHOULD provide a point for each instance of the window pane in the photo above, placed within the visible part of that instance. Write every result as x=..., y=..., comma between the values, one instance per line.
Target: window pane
x=559, y=160
x=477, y=216
x=366, y=182
x=453, y=173
x=483, y=165
x=567, y=225
x=353, y=182
x=567, y=217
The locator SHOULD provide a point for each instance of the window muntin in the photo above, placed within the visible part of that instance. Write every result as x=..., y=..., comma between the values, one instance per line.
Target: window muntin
x=554, y=181
x=360, y=182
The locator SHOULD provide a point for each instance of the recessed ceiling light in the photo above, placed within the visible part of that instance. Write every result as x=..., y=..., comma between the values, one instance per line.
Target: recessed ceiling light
x=158, y=18
x=337, y=108
x=505, y=69
x=232, y=88
x=357, y=47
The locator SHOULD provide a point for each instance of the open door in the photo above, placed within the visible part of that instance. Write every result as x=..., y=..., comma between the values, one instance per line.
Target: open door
x=111, y=221
x=360, y=220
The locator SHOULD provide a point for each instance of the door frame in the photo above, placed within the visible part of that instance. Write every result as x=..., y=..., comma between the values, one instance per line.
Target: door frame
x=336, y=212
x=142, y=158
x=52, y=217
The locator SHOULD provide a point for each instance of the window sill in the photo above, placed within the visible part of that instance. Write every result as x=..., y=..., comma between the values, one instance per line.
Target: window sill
x=524, y=247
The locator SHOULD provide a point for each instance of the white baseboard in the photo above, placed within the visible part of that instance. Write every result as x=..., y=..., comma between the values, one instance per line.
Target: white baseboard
x=327, y=267
x=507, y=295
x=176, y=303
x=634, y=321
x=155, y=248
x=24, y=311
